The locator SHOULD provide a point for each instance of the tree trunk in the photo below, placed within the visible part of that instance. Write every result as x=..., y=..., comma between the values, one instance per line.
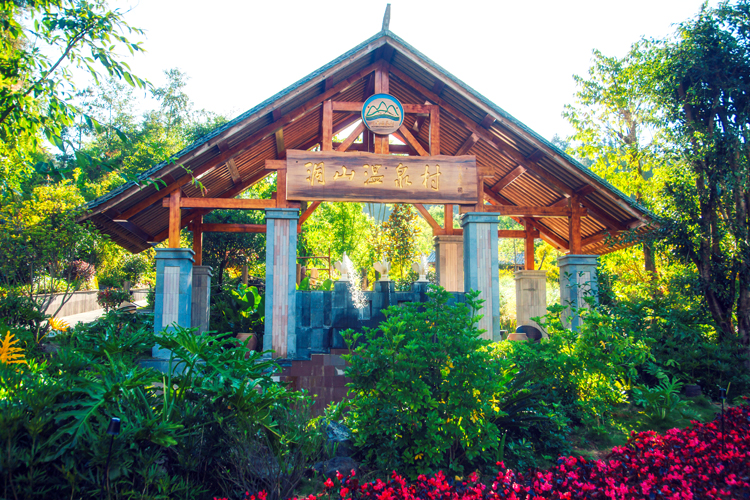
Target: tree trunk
x=649, y=259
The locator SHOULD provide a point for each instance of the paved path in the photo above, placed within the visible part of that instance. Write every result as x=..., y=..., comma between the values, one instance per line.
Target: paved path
x=90, y=316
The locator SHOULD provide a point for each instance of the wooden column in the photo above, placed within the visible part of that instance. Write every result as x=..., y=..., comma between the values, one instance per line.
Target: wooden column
x=448, y=223
x=434, y=130
x=326, y=143
x=381, y=87
x=198, y=241
x=281, y=201
x=574, y=235
x=174, y=219
x=529, y=252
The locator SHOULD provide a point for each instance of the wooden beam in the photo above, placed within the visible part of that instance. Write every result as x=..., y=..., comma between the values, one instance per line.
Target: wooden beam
x=308, y=213
x=574, y=229
x=585, y=190
x=467, y=145
x=327, y=125
x=602, y=216
x=436, y=229
x=256, y=177
x=352, y=137
x=356, y=107
x=405, y=149
x=233, y=171
x=520, y=211
x=599, y=237
x=487, y=121
x=174, y=203
x=280, y=147
x=514, y=233
x=275, y=165
x=529, y=248
x=198, y=241
x=214, y=203
x=547, y=235
x=508, y=178
x=448, y=218
x=420, y=119
x=234, y=228
x=412, y=141
x=434, y=130
x=136, y=230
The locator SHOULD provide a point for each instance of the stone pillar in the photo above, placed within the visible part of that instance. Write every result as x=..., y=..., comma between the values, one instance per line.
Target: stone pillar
x=481, y=268
x=281, y=293
x=531, y=297
x=174, y=292
x=201, y=307
x=577, y=280
x=449, y=261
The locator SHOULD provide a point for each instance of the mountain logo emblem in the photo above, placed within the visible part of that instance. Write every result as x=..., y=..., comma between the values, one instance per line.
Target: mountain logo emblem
x=382, y=114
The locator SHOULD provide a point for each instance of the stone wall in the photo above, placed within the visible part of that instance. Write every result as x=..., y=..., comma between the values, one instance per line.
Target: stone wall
x=322, y=316
x=82, y=302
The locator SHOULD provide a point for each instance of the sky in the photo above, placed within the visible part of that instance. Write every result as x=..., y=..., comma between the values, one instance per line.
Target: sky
x=521, y=55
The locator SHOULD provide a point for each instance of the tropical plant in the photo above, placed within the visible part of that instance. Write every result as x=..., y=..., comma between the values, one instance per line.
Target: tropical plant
x=111, y=298
x=10, y=353
x=427, y=391
x=662, y=401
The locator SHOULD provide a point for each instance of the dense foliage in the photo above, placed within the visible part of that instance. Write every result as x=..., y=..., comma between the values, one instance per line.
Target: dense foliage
x=180, y=432
x=702, y=461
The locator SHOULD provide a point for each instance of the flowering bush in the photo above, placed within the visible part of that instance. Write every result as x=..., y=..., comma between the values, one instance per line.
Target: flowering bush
x=694, y=463
x=110, y=298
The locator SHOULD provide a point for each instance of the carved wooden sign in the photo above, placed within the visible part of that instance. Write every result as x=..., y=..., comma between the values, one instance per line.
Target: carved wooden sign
x=335, y=176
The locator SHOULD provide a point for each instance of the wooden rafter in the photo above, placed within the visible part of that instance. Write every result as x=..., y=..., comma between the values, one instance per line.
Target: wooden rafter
x=436, y=229
x=352, y=137
x=307, y=213
x=508, y=178
x=233, y=171
x=412, y=141
x=467, y=145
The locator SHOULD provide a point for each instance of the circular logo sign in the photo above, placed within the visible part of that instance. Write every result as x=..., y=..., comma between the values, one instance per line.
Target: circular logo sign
x=383, y=114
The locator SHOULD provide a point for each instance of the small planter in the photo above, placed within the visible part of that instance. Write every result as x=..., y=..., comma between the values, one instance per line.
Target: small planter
x=249, y=340
x=692, y=390
x=517, y=336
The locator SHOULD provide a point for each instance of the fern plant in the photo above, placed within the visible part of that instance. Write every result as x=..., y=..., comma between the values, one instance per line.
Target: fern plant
x=10, y=354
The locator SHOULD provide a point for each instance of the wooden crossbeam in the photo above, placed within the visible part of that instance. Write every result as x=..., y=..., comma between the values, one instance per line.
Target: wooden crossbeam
x=591, y=240
x=436, y=229
x=233, y=228
x=520, y=211
x=412, y=141
x=513, y=233
x=234, y=191
x=233, y=171
x=307, y=213
x=467, y=145
x=231, y=203
x=136, y=230
x=508, y=178
x=393, y=148
x=351, y=138
x=356, y=107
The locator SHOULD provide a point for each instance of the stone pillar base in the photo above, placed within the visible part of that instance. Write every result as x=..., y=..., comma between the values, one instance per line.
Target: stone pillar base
x=481, y=268
x=531, y=297
x=201, y=307
x=449, y=261
x=174, y=292
x=577, y=281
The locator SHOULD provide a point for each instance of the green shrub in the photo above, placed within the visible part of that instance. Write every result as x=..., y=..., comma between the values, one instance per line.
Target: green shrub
x=53, y=415
x=427, y=391
x=111, y=298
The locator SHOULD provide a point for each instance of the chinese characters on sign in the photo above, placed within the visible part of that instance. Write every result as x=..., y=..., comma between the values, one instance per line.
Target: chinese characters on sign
x=339, y=176
x=316, y=175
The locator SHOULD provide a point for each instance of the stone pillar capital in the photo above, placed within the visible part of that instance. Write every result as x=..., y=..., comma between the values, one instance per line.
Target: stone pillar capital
x=282, y=213
x=479, y=217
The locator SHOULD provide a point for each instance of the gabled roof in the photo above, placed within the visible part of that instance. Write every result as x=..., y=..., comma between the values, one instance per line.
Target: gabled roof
x=526, y=169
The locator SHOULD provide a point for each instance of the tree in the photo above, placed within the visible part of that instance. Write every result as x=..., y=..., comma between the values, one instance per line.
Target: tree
x=701, y=78
x=37, y=59
x=618, y=129
x=395, y=239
